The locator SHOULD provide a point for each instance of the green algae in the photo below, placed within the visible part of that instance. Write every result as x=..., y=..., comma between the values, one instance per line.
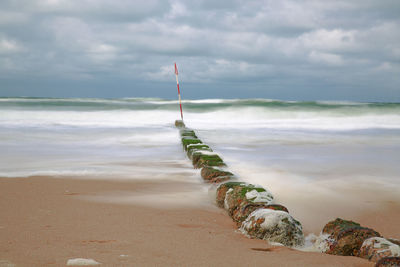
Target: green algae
x=201, y=160
x=208, y=172
x=187, y=132
x=190, y=140
x=195, y=151
x=198, y=147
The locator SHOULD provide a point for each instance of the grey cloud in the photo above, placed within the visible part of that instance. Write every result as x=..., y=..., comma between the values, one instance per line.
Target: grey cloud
x=270, y=47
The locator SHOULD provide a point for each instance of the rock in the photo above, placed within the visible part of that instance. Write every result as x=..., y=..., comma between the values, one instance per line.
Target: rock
x=219, y=179
x=222, y=189
x=238, y=197
x=246, y=208
x=376, y=248
x=208, y=173
x=179, y=124
x=276, y=207
x=274, y=226
x=82, y=262
x=206, y=159
x=334, y=227
x=187, y=140
x=197, y=152
x=197, y=148
x=346, y=237
x=388, y=262
x=394, y=241
x=187, y=132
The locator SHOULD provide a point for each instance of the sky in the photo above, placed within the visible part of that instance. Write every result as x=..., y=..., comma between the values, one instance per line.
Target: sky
x=289, y=50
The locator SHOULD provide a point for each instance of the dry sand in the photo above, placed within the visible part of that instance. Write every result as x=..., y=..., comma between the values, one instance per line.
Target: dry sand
x=45, y=221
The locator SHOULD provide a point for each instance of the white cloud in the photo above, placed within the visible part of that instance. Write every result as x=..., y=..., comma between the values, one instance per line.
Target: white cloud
x=9, y=46
x=327, y=58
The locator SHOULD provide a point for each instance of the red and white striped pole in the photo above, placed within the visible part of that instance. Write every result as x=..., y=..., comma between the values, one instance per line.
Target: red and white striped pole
x=179, y=92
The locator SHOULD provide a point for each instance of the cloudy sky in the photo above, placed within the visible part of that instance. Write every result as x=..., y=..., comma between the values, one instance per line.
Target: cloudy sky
x=291, y=50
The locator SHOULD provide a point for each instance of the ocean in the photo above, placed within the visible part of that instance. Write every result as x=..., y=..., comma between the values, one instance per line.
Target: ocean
x=320, y=159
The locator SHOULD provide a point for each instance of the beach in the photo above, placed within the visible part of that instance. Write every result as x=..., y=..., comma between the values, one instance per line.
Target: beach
x=48, y=220
x=107, y=179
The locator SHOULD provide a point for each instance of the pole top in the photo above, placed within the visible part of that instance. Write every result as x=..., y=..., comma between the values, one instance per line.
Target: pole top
x=176, y=69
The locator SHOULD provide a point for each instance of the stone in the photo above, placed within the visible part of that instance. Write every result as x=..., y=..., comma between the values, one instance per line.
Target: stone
x=179, y=124
x=388, y=262
x=197, y=148
x=187, y=140
x=276, y=207
x=274, y=226
x=338, y=225
x=206, y=159
x=246, y=208
x=197, y=152
x=346, y=237
x=241, y=195
x=376, y=248
x=394, y=241
x=222, y=189
x=187, y=132
x=208, y=173
x=82, y=262
x=219, y=179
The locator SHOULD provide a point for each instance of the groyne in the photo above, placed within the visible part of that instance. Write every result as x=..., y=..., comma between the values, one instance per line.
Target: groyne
x=256, y=214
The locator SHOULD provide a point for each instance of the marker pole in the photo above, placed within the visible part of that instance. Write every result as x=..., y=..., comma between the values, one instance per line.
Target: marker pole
x=179, y=92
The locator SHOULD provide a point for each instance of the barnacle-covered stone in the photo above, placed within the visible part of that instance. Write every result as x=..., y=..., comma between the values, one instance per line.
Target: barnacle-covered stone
x=376, y=248
x=346, y=237
x=274, y=226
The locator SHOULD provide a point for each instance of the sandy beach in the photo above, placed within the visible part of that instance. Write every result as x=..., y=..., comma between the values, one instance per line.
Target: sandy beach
x=46, y=220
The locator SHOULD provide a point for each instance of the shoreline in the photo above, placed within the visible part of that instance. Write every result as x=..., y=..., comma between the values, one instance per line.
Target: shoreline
x=48, y=220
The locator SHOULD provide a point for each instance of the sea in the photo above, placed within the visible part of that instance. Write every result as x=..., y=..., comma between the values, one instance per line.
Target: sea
x=320, y=159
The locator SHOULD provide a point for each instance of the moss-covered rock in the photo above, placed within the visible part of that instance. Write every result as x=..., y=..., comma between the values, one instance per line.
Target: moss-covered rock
x=209, y=173
x=223, y=188
x=201, y=149
x=276, y=207
x=201, y=160
x=246, y=208
x=338, y=225
x=198, y=147
x=187, y=132
x=240, y=196
x=219, y=179
x=274, y=226
x=187, y=140
x=179, y=124
x=376, y=248
x=388, y=262
x=346, y=237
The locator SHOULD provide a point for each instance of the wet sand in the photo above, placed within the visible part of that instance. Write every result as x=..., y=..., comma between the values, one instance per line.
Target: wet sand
x=45, y=221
